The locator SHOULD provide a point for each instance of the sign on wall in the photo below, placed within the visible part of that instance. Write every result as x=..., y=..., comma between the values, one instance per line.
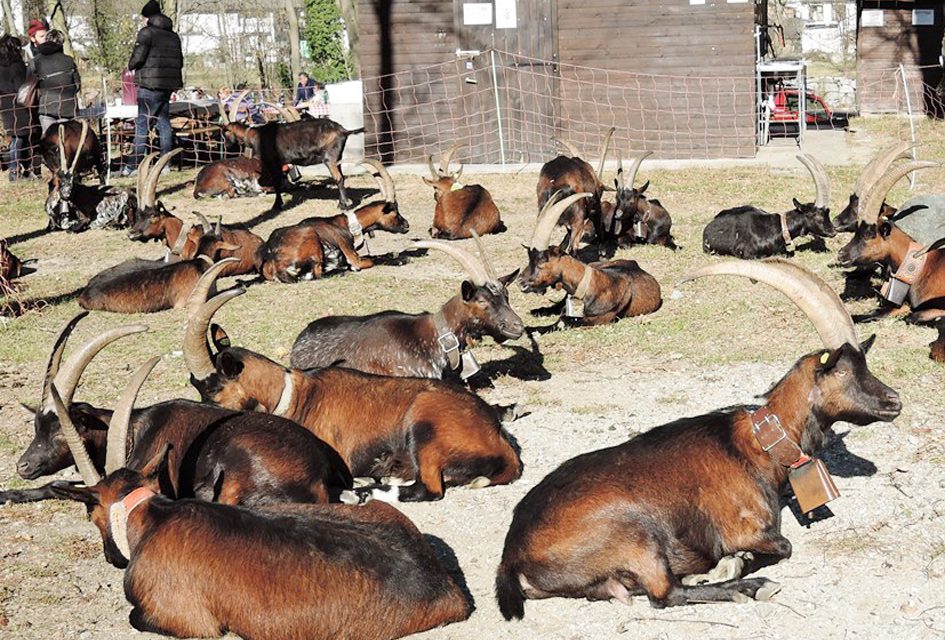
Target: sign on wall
x=505, y=14
x=872, y=18
x=923, y=17
x=477, y=13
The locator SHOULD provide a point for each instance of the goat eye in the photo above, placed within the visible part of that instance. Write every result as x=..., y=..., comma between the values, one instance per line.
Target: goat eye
x=842, y=373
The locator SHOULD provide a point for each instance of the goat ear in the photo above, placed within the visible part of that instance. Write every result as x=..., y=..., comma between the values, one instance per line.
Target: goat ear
x=867, y=344
x=828, y=359
x=509, y=278
x=797, y=205
x=468, y=290
x=229, y=365
x=885, y=229
x=28, y=408
x=644, y=187
x=428, y=181
x=154, y=472
x=68, y=491
x=220, y=340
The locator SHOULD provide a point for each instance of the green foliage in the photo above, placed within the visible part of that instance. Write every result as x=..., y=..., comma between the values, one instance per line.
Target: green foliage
x=284, y=75
x=323, y=31
x=115, y=31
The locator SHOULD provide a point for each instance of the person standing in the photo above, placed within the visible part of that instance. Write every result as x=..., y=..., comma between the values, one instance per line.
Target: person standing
x=18, y=121
x=37, y=32
x=304, y=89
x=157, y=61
x=58, y=81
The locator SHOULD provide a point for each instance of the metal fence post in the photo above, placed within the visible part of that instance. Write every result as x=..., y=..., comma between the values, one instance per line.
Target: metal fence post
x=498, y=108
x=905, y=90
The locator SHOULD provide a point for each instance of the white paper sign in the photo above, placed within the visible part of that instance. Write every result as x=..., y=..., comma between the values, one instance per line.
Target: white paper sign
x=477, y=13
x=505, y=14
x=923, y=17
x=696, y=1
x=871, y=18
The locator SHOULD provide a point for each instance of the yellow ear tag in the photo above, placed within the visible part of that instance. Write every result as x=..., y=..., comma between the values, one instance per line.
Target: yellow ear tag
x=825, y=357
x=457, y=186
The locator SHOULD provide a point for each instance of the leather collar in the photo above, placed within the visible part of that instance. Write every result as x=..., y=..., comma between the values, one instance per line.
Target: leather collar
x=354, y=226
x=584, y=284
x=288, y=393
x=770, y=434
x=785, y=232
x=447, y=340
x=118, y=515
x=912, y=265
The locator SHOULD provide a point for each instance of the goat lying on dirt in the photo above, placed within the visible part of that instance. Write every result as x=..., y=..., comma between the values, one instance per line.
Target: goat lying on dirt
x=460, y=209
x=634, y=218
x=639, y=517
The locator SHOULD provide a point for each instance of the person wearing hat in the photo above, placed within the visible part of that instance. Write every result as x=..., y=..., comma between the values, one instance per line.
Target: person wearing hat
x=58, y=81
x=157, y=61
x=37, y=32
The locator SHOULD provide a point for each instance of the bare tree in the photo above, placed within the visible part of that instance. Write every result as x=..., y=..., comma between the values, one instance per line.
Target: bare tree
x=292, y=13
x=8, y=22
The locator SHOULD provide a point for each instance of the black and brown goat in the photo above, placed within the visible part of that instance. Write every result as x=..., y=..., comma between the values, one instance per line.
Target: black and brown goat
x=85, y=148
x=426, y=431
x=609, y=290
x=281, y=572
x=12, y=267
x=640, y=517
x=235, y=132
x=230, y=178
x=570, y=174
x=425, y=345
x=636, y=218
x=937, y=346
x=216, y=454
x=749, y=232
x=873, y=171
x=460, y=209
x=318, y=245
x=72, y=206
x=148, y=286
x=907, y=243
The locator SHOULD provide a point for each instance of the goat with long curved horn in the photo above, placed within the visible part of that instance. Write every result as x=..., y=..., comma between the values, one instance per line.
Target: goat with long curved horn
x=549, y=216
x=637, y=160
x=224, y=116
x=821, y=180
x=879, y=165
x=383, y=178
x=447, y=157
x=199, y=312
x=150, y=187
x=144, y=170
x=118, y=427
x=868, y=210
x=78, y=149
x=569, y=146
x=235, y=105
x=80, y=454
x=204, y=223
x=604, y=146
x=62, y=149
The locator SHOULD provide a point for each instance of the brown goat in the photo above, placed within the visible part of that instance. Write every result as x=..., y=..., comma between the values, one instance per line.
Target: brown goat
x=634, y=218
x=230, y=178
x=937, y=352
x=86, y=149
x=11, y=267
x=460, y=209
x=427, y=431
x=650, y=515
x=282, y=572
x=570, y=174
x=609, y=290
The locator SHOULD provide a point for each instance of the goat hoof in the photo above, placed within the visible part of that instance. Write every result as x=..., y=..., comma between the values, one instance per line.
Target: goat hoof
x=767, y=590
x=740, y=598
x=479, y=483
x=350, y=497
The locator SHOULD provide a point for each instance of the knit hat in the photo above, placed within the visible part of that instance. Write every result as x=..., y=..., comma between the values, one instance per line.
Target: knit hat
x=36, y=25
x=152, y=8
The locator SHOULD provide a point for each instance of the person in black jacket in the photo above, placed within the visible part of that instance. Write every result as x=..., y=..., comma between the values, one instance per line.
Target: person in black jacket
x=59, y=81
x=18, y=122
x=157, y=61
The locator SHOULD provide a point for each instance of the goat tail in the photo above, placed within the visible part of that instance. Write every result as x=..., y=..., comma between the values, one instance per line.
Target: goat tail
x=508, y=591
x=351, y=132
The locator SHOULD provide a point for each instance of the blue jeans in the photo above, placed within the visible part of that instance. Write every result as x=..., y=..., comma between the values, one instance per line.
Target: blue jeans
x=153, y=104
x=19, y=151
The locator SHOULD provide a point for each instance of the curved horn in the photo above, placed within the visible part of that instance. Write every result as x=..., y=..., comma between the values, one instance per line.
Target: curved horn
x=117, y=446
x=68, y=377
x=384, y=181
x=484, y=257
x=78, y=150
x=79, y=453
x=821, y=181
x=635, y=166
x=567, y=144
x=204, y=223
x=144, y=170
x=55, y=357
x=150, y=186
x=809, y=292
x=448, y=157
x=870, y=205
x=199, y=312
x=879, y=166
x=433, y=171
x=235, y=105
x=475, y=269
x=548, y=218
x=181, y=238
x=224, y=117
x=603, y=153
x=218, y=228
x=62, y=148
x=620, y=181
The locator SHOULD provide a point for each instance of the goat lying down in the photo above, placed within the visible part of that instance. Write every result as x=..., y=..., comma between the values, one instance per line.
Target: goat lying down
x=623, y=521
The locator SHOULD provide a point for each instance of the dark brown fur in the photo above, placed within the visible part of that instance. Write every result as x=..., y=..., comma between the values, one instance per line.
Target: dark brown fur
x=223, y=177
x=573, y=175
x=460, y=211
x=91, y=156
x=142, y=286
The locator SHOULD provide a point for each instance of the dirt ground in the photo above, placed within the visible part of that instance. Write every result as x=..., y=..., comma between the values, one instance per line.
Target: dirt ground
x=875, y=569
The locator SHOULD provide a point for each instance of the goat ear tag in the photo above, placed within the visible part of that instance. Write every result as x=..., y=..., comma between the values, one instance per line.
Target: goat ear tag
x=825, y=357
x=812, y=485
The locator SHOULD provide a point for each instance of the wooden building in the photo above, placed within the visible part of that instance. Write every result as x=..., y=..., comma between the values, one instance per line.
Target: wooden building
x=891, y=34
x=676, y=77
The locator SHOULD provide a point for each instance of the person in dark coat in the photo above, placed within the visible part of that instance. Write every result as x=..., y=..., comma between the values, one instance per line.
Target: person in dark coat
x=304, y=89
x=37, y=32
x=157, y=61
x=18, y=122
x=59, y=81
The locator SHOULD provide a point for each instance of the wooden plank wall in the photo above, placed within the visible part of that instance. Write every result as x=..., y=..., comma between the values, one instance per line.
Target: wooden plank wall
x=880, y=51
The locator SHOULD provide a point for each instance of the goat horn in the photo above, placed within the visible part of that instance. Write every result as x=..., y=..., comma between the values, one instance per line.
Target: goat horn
x=567, y=144
x=117, y=446
x=384, y=181
x=235, y=105
x=548, y=218
x=181, y=238
x=144, y=169
x=296, y=116
x=433, y=171
x=218, y=229
x=204, y=223
x=55, y=357
x=78, y=150
x=155, y=174
x=635, y=166
x=819, y=302
x=447, y=158
x=821, y=181
x=604, y=146
x=620, y=182
x=62, y=148
x=870, y=205
x=196, y=350
x=484, y=257
x=223, y=115
x=68, y=377
x=79, y=453
x=879, y=166
x=474, y=268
